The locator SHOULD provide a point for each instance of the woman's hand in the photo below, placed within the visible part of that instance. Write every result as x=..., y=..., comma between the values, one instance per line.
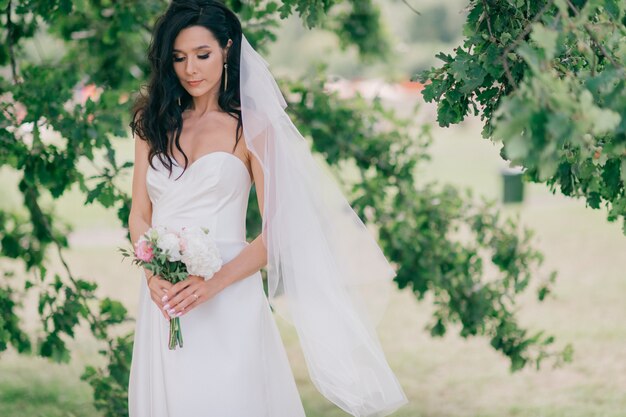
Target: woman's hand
x=186, y=295
x=159, y=288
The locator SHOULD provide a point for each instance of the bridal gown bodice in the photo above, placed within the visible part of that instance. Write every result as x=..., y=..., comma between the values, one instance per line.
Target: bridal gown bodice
x=213, y=192
x=233, y=362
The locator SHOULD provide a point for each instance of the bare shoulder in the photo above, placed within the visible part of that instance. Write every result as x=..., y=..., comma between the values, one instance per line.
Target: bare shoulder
x=239, y=132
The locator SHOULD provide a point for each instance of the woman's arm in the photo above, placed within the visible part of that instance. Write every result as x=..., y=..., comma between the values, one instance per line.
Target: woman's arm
x=141, y=208
x=140, y=217
x=251, y=258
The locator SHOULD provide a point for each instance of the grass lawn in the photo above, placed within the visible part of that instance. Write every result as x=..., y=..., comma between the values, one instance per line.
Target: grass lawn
x=449, y=376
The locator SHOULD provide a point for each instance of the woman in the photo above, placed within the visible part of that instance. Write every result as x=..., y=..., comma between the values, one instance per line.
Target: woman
x=211, y=124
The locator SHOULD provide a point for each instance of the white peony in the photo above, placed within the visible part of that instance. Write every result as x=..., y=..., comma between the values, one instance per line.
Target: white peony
x=200, y=253
x=169, y=243
x=154, y=232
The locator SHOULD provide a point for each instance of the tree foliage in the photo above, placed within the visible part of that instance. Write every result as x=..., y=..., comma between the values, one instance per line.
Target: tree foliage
x=548, y=78
x=439, y=237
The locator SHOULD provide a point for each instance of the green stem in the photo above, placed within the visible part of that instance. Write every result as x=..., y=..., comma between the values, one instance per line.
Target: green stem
x=176, y=335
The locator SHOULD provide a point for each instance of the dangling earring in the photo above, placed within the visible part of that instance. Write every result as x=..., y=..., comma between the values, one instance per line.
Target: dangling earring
x=225, y=76
x=178, y=101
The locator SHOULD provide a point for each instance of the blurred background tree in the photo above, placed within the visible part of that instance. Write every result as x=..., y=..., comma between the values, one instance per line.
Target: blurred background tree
x=548, y=78
x=70, y=71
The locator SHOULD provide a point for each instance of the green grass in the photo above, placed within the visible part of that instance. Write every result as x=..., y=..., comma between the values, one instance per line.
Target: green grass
x=36, y=388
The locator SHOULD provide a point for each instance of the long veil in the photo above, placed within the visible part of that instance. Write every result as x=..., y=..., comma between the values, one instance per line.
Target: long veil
x=322, y=260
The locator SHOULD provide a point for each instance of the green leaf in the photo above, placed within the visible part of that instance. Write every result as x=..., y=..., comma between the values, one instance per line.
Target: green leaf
x=517, y=147
x=545, y=38
x=530, y=56
x=613, y=8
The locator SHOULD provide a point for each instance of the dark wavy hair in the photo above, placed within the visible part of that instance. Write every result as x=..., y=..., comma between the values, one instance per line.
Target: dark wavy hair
x=156, y=115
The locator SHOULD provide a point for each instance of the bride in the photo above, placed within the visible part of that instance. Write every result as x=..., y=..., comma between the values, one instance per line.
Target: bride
x=212, y=123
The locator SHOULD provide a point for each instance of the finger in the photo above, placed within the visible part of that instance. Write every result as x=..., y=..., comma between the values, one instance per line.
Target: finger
x=177, y=303
x=187, y=305
x=188, y=302
x=190, y=280
x=165, y=284
x=165, y=287
x=164, y=295
x=157, y=302
x=179, y=286
x=162, y=289
x=159, y=292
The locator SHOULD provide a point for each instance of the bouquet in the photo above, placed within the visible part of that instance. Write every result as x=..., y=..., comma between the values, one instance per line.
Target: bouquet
x=174, y=256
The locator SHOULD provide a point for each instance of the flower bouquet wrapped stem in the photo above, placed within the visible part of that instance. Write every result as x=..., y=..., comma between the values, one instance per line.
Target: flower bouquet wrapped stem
x=173, y=257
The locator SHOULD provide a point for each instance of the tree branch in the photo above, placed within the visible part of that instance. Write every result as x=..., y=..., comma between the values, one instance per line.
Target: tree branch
x=411, y=7
x=98, y=328
x=10, y=31
x=517, y=40
x=594, y=38
x=486, y=14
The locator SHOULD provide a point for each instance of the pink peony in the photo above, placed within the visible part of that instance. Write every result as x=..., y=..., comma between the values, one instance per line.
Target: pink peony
x=143, y=251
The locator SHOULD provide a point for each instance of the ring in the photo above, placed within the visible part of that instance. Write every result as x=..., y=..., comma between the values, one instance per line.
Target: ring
x=195, y=295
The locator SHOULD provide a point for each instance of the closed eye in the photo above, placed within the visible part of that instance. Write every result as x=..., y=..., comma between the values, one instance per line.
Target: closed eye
x=182, y=58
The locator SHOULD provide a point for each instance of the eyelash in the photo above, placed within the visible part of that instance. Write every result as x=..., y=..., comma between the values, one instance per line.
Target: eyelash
x=177, y=59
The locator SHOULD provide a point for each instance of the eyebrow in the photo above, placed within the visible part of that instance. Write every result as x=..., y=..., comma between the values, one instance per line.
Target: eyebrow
x=195, y=49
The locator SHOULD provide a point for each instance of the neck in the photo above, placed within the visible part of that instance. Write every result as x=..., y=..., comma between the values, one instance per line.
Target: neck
x=206, y=103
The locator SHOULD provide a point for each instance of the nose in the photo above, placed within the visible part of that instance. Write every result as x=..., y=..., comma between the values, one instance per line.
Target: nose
x=190, y=66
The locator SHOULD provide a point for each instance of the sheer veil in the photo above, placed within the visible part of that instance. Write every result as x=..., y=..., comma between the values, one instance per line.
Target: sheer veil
x=323, y=263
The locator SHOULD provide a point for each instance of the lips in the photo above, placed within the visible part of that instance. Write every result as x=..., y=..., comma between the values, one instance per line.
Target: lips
x=194, y=83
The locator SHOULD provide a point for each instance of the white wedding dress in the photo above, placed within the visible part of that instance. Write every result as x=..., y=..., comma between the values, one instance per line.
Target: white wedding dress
x=233, y=362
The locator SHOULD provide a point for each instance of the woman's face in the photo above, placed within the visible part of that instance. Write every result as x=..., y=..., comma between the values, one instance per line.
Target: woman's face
x=197, y=56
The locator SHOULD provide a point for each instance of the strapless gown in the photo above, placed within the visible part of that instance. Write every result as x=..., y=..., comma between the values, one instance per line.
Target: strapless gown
x=233, y=362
